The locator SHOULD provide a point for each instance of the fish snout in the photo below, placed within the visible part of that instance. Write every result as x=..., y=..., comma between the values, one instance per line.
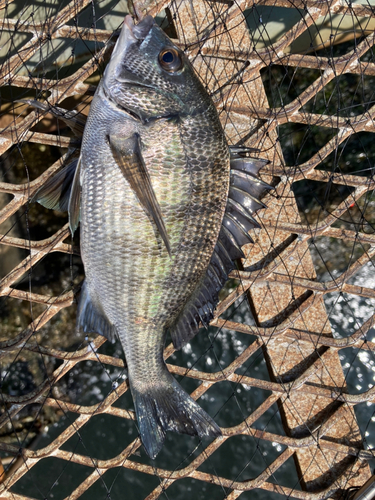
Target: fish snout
x=142, y=29
x=132, y=33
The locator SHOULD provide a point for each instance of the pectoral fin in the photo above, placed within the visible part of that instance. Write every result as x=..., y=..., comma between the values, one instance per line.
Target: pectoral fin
x=55, y=192
x=127, y=154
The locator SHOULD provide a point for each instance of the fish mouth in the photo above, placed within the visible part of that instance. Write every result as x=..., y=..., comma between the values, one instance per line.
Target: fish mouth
x=141, y=30
x=133, y=33
x=130, y=34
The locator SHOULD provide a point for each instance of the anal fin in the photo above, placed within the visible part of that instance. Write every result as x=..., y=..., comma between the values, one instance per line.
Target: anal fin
x=91, y=318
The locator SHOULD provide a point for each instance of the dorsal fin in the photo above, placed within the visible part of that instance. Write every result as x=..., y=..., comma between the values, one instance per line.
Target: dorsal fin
x=229, y=241
x=248, y=183
x=243, y=201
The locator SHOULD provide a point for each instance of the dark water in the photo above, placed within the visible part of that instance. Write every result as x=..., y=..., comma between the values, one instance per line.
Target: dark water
x=239, y=458
x=105, y=436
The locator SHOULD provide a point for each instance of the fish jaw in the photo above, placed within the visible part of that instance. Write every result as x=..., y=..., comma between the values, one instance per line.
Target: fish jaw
x=130, y=34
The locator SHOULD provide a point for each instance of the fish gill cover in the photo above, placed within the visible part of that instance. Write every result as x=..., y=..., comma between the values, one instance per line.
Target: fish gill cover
x=286, y=366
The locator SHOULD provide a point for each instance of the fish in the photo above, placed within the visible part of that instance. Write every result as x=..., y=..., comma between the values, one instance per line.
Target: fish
x=165, y=207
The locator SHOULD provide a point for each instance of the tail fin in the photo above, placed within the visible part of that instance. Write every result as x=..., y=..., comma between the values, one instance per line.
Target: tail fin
x=167, y=407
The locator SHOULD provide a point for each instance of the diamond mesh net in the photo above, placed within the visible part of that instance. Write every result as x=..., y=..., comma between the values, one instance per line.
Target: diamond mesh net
x=286, y=368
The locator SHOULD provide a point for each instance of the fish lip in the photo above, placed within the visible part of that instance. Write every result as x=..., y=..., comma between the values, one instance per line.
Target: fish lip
x=125, y=39
x=142, y=29
x=128, y=21
x=132, y=33
x=127, y=30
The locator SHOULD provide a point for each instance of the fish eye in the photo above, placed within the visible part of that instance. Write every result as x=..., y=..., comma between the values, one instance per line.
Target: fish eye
x=170, y=60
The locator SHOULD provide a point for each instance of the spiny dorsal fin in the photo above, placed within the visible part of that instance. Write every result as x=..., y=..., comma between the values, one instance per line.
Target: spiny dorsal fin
x=242, y=151
x=250, y=184
x=248, y=165
x=229, y=241
x=243, y=201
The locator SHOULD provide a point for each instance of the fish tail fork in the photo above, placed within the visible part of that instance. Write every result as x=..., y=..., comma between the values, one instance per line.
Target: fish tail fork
x=167, y=407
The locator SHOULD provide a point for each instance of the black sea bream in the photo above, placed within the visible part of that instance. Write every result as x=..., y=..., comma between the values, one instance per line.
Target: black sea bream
x=165, y=206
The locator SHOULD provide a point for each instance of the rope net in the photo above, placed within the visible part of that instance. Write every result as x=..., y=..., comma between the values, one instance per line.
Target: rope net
x=286, y=367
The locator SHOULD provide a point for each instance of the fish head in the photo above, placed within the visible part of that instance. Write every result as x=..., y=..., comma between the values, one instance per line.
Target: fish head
x=149, y=76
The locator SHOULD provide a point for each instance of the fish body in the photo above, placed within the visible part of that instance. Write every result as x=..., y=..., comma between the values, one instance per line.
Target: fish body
x=138, y=284
x=128, y=268
x=165, y=207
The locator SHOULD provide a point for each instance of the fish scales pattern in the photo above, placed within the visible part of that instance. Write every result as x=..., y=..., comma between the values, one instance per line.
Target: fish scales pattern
x=192, y=209
x=207, y=161
x=120, y=247
x=152, y=190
